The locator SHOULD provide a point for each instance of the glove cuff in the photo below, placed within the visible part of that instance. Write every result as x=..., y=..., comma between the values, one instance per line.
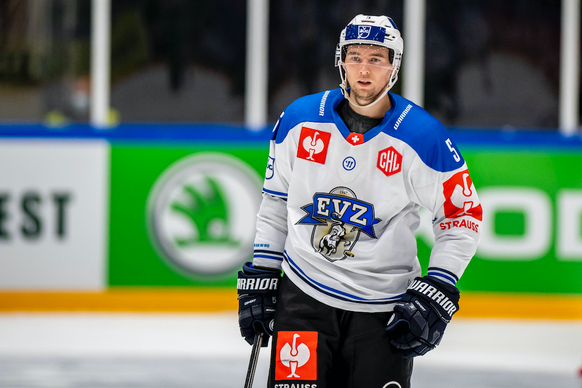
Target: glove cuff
x=249, y=269
x=443, y=297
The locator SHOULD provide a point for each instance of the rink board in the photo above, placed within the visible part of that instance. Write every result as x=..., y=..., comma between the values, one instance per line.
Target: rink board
x=124, y=235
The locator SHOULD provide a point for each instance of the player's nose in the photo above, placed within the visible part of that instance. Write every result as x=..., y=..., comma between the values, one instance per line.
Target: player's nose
x=364, y=68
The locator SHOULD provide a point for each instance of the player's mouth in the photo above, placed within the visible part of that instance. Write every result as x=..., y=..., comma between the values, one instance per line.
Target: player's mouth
x=364, y=83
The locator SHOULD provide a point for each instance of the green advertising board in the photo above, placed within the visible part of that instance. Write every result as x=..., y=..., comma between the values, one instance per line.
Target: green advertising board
x=159, y=236
x=531, y=234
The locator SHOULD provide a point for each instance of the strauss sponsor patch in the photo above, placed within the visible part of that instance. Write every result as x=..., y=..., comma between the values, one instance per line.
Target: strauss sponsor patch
x=461, y=198
x=296, y=355
x=313, y=145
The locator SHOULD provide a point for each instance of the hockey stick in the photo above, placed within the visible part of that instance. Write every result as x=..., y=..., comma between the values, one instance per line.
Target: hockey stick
x=254, y=359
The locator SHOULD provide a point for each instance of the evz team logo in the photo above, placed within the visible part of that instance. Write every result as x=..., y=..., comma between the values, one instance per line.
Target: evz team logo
x=338, y=218
x=202, y=212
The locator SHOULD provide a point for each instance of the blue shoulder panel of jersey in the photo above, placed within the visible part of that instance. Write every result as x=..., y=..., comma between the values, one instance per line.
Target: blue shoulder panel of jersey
x=425, y=134
x=313, y=108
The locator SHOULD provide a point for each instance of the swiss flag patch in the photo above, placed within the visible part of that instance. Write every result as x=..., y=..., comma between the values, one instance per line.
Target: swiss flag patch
x=461, y=198
x=296, y=355
x=313, y=145
x=355, y=138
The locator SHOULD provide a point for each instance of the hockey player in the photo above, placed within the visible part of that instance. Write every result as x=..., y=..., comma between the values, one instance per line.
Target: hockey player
x=348, y=171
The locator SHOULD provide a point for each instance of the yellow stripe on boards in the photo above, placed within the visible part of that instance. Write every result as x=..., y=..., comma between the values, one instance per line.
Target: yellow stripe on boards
x=122, y=300
x=171, y=300
x=528, y=306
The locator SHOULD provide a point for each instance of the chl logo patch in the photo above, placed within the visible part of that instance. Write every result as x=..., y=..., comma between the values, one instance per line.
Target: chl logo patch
x=296, y=355
x=313, y=145
x=461, y=198
x=389, y=161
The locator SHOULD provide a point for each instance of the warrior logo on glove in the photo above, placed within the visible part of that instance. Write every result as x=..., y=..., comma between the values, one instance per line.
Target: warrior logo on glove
x=250, y=284
x=449, y=307
x=257, y=298
x=421, y=316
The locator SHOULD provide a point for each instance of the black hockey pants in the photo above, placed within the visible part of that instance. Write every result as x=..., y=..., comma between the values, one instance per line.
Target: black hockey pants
x=318, y=346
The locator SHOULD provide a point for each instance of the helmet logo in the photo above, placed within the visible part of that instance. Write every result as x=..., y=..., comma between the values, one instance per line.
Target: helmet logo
x=360, y=32
x=364, y=32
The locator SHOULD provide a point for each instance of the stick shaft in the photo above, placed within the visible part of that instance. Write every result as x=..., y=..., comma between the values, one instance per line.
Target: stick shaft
x=254, y=359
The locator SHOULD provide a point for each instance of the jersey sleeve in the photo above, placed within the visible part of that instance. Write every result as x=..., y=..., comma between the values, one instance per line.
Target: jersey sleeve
x=446, y=189
x=272, y=216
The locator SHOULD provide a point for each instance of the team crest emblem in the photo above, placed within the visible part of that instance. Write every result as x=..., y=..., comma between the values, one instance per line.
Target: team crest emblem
x=338, y=218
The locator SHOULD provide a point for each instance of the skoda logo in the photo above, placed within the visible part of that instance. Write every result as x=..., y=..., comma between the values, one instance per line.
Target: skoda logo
x=202, y=212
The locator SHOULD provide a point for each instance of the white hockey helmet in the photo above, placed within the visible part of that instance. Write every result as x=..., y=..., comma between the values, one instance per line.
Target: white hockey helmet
x=371, y=30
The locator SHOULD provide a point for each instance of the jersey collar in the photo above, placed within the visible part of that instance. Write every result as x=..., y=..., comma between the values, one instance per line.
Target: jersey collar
x=368, y=135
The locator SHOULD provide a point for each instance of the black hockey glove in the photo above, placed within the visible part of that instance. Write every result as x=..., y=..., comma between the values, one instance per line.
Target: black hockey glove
x=421, y=316
x=257, y=297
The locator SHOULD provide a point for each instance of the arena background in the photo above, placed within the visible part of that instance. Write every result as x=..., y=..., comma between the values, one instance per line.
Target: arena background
x=101, y=228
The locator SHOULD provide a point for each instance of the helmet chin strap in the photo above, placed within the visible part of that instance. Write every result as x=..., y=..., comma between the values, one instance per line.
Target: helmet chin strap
x=344, y=89
x=343, y=86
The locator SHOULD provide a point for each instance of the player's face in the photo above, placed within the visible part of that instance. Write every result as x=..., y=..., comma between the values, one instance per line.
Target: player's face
x=368, y=70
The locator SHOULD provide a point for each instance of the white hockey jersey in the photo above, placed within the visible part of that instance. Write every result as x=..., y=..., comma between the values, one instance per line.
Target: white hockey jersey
x=340, y=209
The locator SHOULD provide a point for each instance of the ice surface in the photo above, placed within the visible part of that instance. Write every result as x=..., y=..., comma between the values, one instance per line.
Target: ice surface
x=206, y=350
